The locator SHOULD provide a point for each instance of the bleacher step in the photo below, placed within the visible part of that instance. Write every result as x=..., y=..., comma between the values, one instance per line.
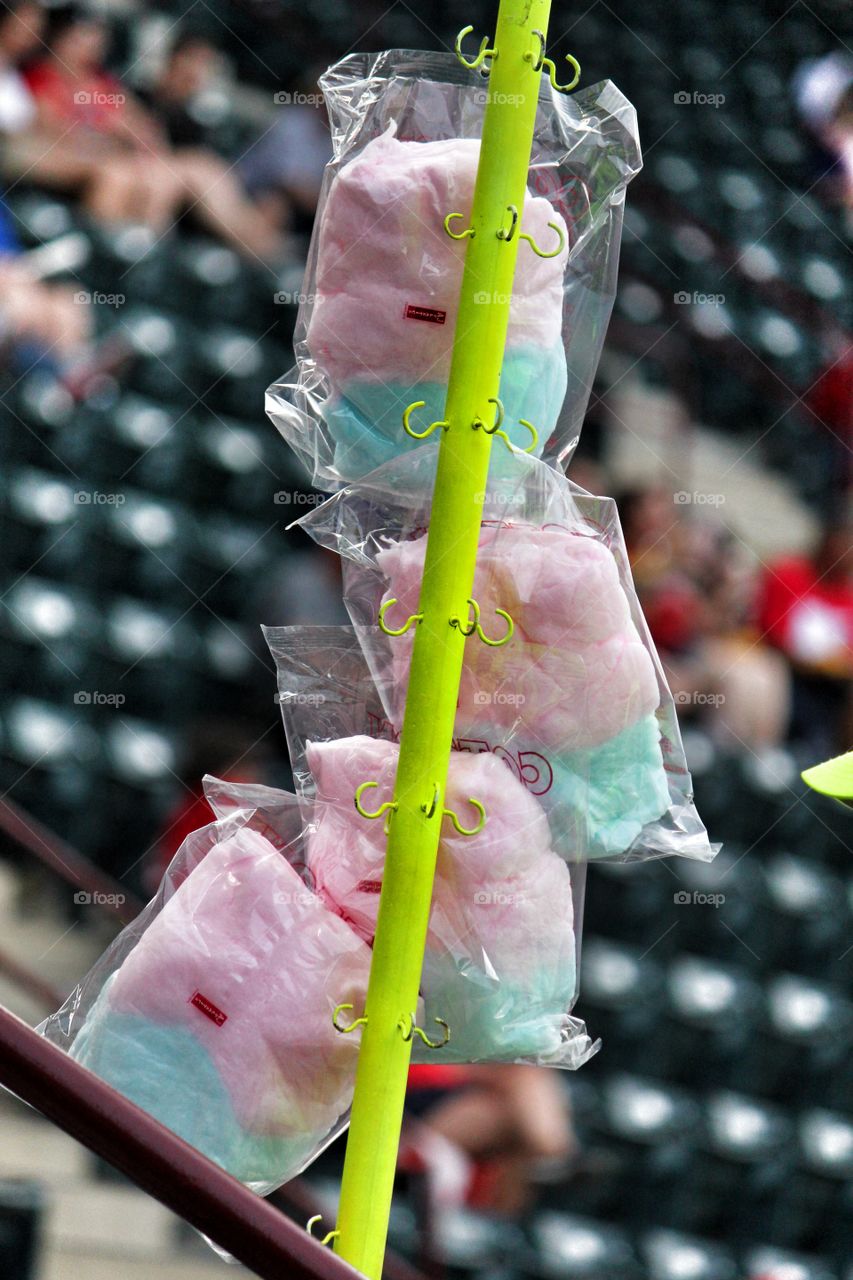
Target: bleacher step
x=710, y=473
x=70, y=1264
x=58, y=949
x=99, y=1218
x=33, y=1148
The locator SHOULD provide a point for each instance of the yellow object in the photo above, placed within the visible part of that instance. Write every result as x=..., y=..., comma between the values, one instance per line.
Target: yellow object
x=832, y=778
x=417, y=811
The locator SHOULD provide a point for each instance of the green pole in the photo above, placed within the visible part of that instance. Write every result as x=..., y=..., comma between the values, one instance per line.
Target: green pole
x=436, y=666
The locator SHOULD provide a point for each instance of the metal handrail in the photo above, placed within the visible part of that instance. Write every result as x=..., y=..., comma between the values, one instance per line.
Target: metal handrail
x=74, y=867
x=158, y=1161
x=35, y=987
x=59, y=857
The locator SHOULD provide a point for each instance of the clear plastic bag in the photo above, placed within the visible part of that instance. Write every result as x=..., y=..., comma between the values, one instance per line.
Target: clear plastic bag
x=501, y=960
x=378, y=308
x=325, y=691
x=576, y=702
x=213, y=1009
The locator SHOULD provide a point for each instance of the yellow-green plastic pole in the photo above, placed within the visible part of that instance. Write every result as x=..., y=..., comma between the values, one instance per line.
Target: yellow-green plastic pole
x=436, y=665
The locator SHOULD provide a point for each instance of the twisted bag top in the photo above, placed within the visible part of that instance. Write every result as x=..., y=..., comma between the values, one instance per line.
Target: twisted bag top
x=388, y=274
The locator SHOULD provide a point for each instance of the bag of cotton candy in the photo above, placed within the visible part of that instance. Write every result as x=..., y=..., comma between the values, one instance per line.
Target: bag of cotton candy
x=575, y=700
x=213, y=1010
x=378, y=307
x=501, y=960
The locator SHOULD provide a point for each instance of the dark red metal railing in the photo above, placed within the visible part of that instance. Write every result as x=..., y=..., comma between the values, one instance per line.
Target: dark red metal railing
x=71, y=866
x=153, y=1157
x=158, y=1161
x=35, y=987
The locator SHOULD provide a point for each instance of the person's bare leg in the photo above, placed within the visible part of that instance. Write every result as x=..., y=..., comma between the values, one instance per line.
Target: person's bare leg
x=475, y=1121
x=535, y=1099
x=161, y=190
x=218, y=201
x=46, y=314
x=517, y=1110
x=112, y=192
x=754, y=685
x=100, y=173
x=516, y=1117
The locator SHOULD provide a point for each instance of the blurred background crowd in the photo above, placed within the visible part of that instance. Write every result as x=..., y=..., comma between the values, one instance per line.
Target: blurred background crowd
x=160, y=165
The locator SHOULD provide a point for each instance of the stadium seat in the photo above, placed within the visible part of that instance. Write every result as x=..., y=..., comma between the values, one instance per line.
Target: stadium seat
x=620, y=995
x=166, y=367
x=470, y=1242
x=711, y=1015
x=814, y=1209
x=574, y=1248
x=766, y=1262
x=646, y=1128
x=745, y=1158
x=623, y=900
x=803, y=1047
x=717, y=903
x=805, y=922
x=668, y=1255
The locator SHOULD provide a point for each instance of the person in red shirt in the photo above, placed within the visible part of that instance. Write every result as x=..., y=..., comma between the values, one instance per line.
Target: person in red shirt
x=89, y=116
x=807, y=606
x=229, y=749
x=806, y=611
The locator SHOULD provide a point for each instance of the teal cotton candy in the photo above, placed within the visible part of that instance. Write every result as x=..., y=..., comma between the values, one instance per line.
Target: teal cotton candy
x=128, y=1052
x=599, y=799
x=607, y=794
x=366, y=422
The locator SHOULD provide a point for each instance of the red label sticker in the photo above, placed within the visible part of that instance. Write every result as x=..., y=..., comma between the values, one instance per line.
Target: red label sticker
x=208, y=1008
x=431, y=314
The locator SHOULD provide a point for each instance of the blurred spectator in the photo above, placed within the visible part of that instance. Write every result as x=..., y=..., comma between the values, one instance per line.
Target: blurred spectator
x=41, y=320
x=284, y=169
x=21, y=24
x=227, y=749
x=823, y=92
x=830, y=400
x=698, y=588
x=748, y=682
x=115, y=153
x=105, y=182
x=489, y=1127
x=806, y=610
x=187, y=70
x=664, y=574
x=36, y=318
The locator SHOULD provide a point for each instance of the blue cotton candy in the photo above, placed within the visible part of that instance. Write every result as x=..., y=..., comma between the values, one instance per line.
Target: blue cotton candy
x=501, y=1019
x=366, y=422
x=131, y=1053
x=607, y=794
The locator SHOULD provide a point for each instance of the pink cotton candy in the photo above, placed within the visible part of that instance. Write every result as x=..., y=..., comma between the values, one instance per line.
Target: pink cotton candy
x=346, y=853
x=564, y=585
x=347, y=865
x=575, y=673
x=500, y=951
x=383, y=250
x=516, y=838
x=243, y=938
